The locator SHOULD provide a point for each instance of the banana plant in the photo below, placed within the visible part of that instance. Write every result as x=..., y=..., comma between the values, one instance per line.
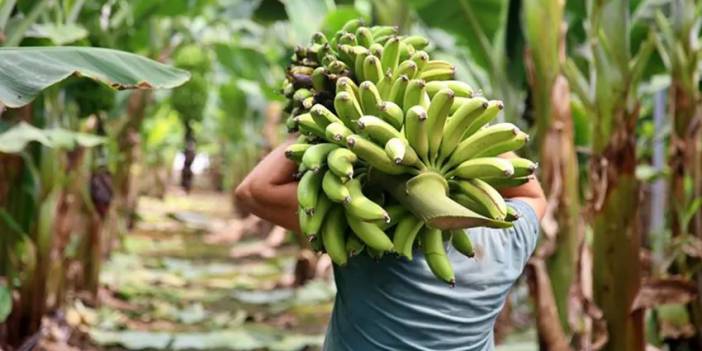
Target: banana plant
x=490, y=31
x=678, y=45
x=544, y=29
x=610, y=97
x=36, y=186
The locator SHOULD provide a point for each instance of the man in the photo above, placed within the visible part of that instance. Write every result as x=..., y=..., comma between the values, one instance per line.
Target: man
x=397, y=304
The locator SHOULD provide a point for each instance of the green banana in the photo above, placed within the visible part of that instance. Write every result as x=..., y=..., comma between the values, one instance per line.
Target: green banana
x=372, y=70
x=373, y=154
x=352, y=25
x=337, y=133
x=319, y=38
x=480, y=141
x=480, y=192
x=406, y=68
x=391, y=55
x=308, y=190
x=362, y=207
x=322, y=116
x=401, y=152
x=523, y=167
x=503, y=183
x=346, y=54
x=406, y=51
x=348, y=39
x=435, y=255
x=461, y=242
x=316, y=156
x=307, y=103
x=383, y=31
x=397, y=91
x=417, y=41
x=348, y=85
x=354, y=245
x=395, y=212
x=369, y=233
x=301, y=94
x=340, y=161
x=312, y=226
x=377, y=129
x=391, y=113
x=494, y=107
x=347, y=108
x=307, y=125
x=335, y=189
x=512, y=214
x=377, y=50
x=405, y=234
x=358, y=65
x=420, y=58
x=459, y=88
x=454, y=127
x=437, y=64
x=333, y=235
x=337, y=67
x=437, y=113
x=438, y=74
x=294, y=152
x=416, y=130
x=385, y=84
x=414, y=94
x=364, y=36
x=370, y=98
x=483, y=167
x=508, y=145
x=320, y=82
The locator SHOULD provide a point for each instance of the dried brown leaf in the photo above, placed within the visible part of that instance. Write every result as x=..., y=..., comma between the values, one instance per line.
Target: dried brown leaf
x=660, y=291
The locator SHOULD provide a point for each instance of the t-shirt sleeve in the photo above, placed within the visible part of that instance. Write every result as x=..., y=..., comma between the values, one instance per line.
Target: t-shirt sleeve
x=525, y=231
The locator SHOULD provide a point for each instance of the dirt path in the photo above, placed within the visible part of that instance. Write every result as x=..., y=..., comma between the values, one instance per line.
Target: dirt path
x=179, y=283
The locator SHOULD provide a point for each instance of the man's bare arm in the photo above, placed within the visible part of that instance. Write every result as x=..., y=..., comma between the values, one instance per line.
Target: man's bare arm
x=529, y=192
x=270, y=191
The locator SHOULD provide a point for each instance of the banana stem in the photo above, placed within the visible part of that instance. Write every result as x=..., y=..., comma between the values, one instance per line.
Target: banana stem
x=426, y=196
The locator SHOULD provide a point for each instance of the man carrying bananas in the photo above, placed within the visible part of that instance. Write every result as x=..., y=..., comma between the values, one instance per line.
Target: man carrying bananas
x=397, y=304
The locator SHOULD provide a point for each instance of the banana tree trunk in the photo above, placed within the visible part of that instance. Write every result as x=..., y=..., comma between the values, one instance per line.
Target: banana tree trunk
x=559, y=175
x=186, y=175
x=683, y=162
x=545, y=34
x=125, y=182
x=616, y=237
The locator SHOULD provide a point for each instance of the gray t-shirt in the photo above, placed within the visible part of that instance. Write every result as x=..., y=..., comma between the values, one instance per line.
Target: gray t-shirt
x=399, y=305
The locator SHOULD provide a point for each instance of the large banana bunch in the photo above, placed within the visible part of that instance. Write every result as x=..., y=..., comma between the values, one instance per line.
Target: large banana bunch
x=393, y=152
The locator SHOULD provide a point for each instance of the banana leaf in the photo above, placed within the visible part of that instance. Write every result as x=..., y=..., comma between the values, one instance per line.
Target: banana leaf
x=16, y=138
x=26, y=71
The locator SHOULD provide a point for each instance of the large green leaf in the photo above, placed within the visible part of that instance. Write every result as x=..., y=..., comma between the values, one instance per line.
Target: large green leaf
x=306, y=17
x=16, y=138
x=59, y=34
x=476, y=23
x=26, y=71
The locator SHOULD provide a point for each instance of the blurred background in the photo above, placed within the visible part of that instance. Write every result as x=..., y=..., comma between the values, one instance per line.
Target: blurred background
x=118, y=225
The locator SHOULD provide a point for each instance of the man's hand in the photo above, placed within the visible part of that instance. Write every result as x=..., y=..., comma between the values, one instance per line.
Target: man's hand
x=529, y=192
x=270, y=191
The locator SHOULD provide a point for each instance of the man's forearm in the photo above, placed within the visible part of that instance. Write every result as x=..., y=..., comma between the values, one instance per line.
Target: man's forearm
x=270, y=192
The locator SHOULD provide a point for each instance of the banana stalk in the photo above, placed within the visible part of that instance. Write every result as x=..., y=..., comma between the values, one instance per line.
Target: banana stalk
x=426, y=196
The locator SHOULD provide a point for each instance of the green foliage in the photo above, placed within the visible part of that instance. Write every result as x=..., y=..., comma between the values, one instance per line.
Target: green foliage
x=193, y=58
x=190, y=99
x=26, y=71
x=91, y=96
